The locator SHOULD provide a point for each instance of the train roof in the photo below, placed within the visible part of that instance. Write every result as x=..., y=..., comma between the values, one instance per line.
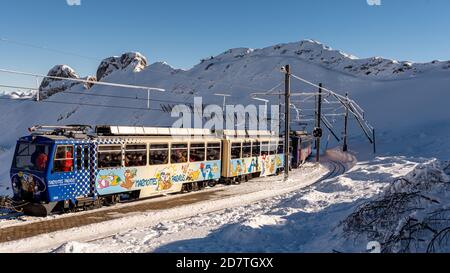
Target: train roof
x=150, y=131
x=83, y=132
x=162, y=131
x=49, y=138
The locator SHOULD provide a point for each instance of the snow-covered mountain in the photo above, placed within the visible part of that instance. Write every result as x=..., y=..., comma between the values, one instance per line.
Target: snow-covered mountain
x=406, y=102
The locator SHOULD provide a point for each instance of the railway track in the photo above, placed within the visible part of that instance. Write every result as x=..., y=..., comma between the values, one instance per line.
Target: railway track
x=35, y=228
x=337, y=169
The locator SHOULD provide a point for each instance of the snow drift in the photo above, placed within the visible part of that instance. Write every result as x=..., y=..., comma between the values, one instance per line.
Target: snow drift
x=411, y=216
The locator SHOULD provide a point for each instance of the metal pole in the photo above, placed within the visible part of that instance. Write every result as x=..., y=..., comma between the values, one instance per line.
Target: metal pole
x=319, y=119
x=374, y=142
x=224, y=103
x=38, y=98
x=345, y=149
x=287, y=117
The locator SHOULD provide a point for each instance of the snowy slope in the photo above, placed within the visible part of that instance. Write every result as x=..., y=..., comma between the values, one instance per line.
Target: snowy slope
x=407, y=103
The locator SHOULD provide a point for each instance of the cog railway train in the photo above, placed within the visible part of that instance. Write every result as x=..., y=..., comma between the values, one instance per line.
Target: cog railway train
x=61, y=169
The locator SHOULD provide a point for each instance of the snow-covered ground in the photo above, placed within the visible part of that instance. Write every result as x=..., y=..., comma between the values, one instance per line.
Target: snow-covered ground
x=407, y=104
x=299, y=220
x=271, y=216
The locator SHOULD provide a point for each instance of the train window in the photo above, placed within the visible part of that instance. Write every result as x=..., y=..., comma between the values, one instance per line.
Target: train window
x=213, y=152
x=82, y=158
x=256, y=149
x=31, y=157
x=247, y=150
x=236, y=149
x=136, y=155
x=179, y=153
x=197, y=152
x=159, y=154
x=64, y=159
x=110, y=156
x=79, y=157
x=86, y=158
x=273, y=147
x=265, y=148
x=281, y=147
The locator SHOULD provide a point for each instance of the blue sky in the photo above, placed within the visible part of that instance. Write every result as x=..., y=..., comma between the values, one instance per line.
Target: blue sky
x=183, y=32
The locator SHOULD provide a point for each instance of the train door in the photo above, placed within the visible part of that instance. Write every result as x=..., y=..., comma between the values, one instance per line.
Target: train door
x=225, y=156
x=62, y=179
x=84, y=169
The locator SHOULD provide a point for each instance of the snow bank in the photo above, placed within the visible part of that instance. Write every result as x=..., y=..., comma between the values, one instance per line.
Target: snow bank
x=413, y=214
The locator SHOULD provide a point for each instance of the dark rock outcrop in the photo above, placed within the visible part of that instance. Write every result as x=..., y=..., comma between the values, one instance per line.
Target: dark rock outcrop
x=51, y=86
x=132, y=60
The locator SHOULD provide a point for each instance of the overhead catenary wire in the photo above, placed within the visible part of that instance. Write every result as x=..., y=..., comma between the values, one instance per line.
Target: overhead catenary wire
x=339, y=97
x=82, y=104
x=195, y=111
x=351, y=105
x=98, y=95
x=26, y=44
x=101, y=95
x=117, y=84
x=83, y=81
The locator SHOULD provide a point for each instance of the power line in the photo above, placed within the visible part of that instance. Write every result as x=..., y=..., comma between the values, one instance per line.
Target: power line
x=9, y=41
x=83, y=81
x=99, y=95
x=83, y=104
x=121, y=85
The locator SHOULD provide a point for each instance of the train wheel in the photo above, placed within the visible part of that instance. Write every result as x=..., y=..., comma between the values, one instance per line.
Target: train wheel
x=187, y=187
x=195, y=186
x=111, y=200
x=202, y=185
x=228, y=181
x=256, y=175
x=212, y=183
x=238, y=180
x=68, y=207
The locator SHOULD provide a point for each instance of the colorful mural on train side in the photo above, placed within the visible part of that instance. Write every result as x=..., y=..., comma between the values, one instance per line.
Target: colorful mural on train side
x=155, y=178
x=266, y=165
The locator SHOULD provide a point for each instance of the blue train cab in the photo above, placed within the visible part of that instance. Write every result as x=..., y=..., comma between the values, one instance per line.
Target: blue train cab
x=50, y=171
